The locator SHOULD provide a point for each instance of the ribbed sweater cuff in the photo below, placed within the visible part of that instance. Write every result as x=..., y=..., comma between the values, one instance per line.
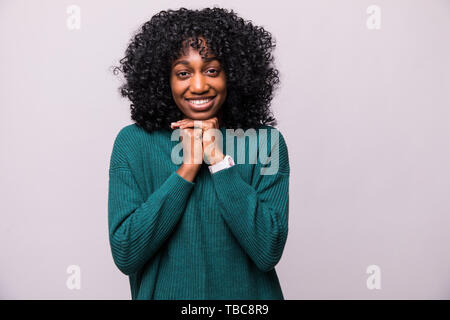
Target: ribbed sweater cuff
x=178, y=186
x=230, y=186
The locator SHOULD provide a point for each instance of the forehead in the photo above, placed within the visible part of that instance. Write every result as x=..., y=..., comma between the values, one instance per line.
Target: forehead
x=193, y=55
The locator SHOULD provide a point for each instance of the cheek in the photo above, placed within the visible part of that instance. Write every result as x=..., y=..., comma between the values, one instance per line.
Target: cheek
x=224, y=91
x=222, y=85
x=172, y=86
x=176, y=88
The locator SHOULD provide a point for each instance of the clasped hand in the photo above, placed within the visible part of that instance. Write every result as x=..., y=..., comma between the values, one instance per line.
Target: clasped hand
x=197, y=143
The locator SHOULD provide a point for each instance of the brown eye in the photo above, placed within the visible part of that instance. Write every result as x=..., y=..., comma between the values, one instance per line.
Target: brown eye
x=215, y=71
x=180, y=74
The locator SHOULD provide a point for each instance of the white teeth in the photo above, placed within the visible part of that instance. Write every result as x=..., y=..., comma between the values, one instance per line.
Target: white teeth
x=200, y=101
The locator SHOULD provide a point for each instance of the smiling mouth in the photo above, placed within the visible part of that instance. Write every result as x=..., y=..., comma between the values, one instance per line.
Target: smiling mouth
x=201, y=104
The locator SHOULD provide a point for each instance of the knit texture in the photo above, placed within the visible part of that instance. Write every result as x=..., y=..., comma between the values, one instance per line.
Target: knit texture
x=218, y=237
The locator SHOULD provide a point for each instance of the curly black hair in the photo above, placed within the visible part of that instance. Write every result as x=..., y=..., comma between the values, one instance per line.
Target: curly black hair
x=244, y=51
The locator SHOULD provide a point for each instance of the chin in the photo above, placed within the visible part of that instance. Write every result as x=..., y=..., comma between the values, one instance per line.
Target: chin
x=202, y=115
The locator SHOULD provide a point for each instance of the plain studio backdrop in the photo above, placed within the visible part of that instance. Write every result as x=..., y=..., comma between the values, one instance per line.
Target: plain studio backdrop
x=363, y=104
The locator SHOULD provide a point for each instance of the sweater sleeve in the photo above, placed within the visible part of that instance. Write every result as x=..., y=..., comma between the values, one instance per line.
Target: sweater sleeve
x=138, y=227
x=257, y=213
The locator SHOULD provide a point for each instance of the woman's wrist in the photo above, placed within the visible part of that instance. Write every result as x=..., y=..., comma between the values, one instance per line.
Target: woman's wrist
x=188, y=171
x=219, y=157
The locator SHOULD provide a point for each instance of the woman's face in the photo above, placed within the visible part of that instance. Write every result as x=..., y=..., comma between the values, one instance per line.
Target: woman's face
x=198, y=86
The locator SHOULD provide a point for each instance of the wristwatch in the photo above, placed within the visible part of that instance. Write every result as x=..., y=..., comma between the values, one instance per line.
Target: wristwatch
x=225, y=163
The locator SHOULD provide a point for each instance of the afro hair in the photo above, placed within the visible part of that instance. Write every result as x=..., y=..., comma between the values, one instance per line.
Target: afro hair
x=243, y=49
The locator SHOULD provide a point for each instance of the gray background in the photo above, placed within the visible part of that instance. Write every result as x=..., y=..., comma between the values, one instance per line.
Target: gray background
x=365, y=114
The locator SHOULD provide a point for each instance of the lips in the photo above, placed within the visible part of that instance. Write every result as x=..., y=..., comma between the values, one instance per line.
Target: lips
x=203, y=106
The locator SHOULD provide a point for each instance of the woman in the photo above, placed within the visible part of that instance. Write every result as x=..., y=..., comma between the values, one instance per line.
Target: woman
x=209, y=227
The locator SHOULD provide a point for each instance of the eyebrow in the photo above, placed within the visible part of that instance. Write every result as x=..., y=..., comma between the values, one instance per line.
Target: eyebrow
x=185, y=62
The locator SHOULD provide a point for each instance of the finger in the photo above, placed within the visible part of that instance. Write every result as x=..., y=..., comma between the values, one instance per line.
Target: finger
x=211, y=123
x=181, y=120
x=215, y=122
x=186, y=125
x=183, y=124
x=179, y=123
x=192, y=124
x=208, y=125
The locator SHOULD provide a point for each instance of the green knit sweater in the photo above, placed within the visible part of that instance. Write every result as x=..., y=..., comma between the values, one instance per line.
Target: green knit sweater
x=218, y=237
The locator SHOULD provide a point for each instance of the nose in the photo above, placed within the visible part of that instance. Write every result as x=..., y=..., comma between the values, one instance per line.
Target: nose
x=198, y=84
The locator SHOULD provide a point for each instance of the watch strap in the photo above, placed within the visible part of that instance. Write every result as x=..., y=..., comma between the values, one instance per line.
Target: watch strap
x=225, y=163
